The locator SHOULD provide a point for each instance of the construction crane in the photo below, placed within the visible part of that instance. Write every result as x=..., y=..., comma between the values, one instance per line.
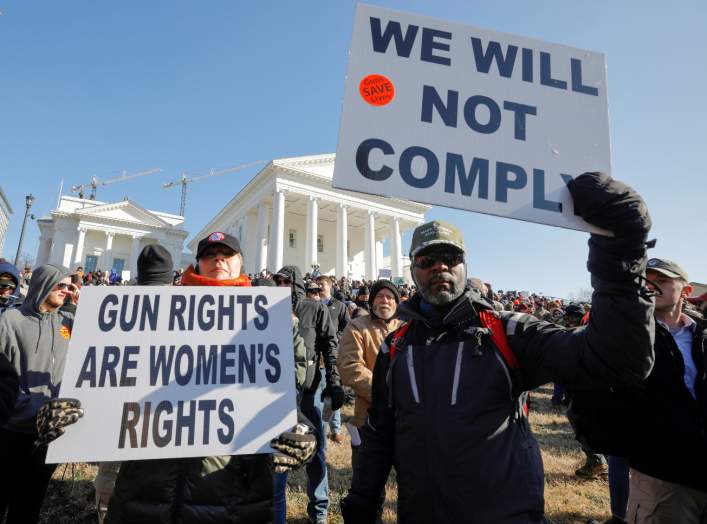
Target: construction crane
x=184, y=181
x=95, y=182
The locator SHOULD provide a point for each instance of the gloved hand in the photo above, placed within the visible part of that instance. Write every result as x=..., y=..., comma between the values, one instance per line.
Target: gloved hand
x=336, y=394
x=294, y=448
x=54, y=416
x=610, y=204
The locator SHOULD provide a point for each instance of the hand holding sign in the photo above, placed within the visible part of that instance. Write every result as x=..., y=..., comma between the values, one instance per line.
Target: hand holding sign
x=293, y=448
x=54, y=416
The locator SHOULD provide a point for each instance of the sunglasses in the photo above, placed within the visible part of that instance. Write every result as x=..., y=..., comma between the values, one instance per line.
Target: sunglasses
x=7, y=286
x=70, y=287
x=448, y=259
x=283, y=281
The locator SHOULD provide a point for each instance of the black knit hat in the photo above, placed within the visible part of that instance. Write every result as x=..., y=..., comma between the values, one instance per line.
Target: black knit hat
x=383, y=283
x=154, y=266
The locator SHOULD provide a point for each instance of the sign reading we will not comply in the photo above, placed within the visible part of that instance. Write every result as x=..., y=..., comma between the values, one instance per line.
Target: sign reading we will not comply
x=167, y=372
x=457, y=116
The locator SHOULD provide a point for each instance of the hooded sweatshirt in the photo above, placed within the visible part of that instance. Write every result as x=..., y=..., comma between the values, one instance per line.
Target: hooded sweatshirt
x=35, y=343
x=10, y=269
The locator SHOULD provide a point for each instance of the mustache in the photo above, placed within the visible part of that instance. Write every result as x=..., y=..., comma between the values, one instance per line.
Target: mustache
x=442, y=278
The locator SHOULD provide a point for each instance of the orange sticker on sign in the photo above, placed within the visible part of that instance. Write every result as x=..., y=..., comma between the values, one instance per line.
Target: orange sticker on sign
x=377, y=90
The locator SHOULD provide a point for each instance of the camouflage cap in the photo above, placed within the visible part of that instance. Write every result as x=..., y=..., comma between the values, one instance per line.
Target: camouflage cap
x=433, y=234
x=667, y=267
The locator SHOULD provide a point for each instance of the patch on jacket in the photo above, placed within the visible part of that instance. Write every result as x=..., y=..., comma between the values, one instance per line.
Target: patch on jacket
x=65, y=332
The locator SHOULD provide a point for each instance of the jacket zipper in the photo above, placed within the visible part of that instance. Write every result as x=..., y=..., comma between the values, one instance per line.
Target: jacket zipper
x=457, y=371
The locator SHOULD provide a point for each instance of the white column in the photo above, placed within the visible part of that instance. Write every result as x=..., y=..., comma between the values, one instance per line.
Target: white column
x=107, y=262
x=134, y=252
x=54, y=256
x=310, y=253
x=342, y=237
x=396, y=255
x=277, y=231
x=261, y=242
x=45, y=246
x=370, y=247
x=78, y=253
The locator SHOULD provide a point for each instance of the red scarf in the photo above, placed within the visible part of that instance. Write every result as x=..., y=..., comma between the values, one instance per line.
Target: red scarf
x=192, y=278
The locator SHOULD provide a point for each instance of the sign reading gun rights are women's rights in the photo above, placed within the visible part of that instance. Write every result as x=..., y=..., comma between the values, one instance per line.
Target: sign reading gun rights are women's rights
x=178, y=372
x=458, y=116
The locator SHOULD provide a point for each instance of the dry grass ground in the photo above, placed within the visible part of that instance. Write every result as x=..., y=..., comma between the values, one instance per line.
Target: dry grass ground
x=568, y=500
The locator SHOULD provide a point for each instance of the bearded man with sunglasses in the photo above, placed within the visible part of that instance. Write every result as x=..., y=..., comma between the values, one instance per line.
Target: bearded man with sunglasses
x=35, y=339
x=449, y=385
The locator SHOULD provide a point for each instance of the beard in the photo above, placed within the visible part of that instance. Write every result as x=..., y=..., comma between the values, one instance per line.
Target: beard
x=441, y=297
x=384, y=313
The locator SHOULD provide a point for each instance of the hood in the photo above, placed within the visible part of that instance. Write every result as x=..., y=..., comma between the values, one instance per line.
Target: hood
x=293, y=273
x=7, y=267
x=44, y=278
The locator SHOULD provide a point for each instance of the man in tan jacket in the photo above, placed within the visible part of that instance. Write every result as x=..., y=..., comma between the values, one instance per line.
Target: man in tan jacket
x=359, y=347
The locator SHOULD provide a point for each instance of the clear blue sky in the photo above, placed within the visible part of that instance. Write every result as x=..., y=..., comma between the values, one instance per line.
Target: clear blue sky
x=92, y=88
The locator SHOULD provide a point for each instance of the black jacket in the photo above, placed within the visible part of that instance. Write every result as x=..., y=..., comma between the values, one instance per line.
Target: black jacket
x=446, y=412
x=316, y=327
x=9, y=386
x=672, y=442
x=218, y=490
x=339, y=314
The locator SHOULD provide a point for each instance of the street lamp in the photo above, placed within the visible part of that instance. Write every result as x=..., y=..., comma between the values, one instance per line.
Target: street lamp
x=28, y=203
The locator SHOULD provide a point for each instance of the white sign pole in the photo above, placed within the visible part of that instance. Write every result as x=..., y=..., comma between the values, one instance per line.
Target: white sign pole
x=178, y=372
x=457, y=116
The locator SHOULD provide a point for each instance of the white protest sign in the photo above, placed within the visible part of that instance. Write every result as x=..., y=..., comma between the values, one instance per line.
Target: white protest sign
x=178, y=372
x=469, y=118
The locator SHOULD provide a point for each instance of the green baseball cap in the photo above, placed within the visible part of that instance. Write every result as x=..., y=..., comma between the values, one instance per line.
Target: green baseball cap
x=435, y=233
x=667, y=267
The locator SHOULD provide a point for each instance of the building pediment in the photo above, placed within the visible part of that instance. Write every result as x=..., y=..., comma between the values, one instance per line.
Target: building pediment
x=124, y=211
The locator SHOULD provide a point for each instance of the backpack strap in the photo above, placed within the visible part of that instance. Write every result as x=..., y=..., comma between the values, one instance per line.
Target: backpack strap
x=398, y=339
x=493, y=322
x=498, y=335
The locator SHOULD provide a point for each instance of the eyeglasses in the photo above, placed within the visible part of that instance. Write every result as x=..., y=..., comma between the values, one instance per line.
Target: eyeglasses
x=69, y=287
x=448, y=259
x=283, y=281
x=7, y=286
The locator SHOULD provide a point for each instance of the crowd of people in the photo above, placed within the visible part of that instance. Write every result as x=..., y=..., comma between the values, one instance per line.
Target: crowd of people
x=439, y=371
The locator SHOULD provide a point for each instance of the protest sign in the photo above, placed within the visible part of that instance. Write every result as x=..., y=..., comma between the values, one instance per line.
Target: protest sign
x=178, y=372
x=453, y=115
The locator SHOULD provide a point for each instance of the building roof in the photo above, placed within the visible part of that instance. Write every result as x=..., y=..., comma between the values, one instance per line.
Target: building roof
x=312, y=171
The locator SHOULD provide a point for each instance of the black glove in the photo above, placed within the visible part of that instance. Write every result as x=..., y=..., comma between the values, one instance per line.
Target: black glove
x=294, y=448
x=358, y=513
x=612, y=205
x=336, y=394
x=54, y=416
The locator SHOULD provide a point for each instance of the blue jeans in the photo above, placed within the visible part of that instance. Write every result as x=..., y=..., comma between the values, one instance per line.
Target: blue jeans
x=279, y=498
x=335, y=422
x=317, y=479
x=618, y=485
